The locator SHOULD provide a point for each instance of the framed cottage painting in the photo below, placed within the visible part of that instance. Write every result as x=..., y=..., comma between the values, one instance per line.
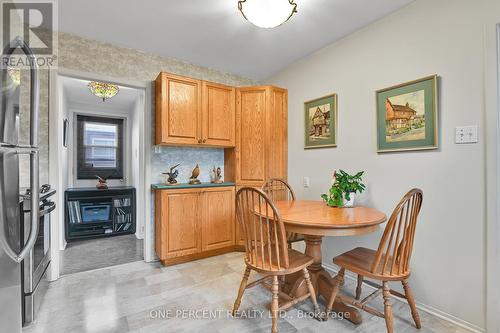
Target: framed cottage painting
x=407, y=116
x=321, y=122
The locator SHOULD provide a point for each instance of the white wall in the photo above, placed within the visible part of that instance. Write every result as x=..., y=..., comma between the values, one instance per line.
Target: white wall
x=441, y=37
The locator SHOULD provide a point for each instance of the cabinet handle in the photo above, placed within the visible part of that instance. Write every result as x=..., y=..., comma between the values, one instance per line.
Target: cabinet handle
x=204, y=140
x=199, y=140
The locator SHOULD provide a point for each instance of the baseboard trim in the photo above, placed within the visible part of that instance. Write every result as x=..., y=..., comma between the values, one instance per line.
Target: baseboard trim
x=424, y=307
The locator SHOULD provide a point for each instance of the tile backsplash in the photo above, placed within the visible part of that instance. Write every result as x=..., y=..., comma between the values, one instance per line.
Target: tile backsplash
x=206, y=158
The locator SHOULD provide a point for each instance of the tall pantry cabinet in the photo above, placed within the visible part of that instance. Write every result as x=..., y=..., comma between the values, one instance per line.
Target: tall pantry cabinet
x=261, y=137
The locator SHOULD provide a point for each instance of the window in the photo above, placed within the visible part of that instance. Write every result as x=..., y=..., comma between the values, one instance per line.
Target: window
x=99, y=147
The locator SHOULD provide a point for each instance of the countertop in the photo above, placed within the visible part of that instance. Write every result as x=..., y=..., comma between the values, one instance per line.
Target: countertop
x=185, y=185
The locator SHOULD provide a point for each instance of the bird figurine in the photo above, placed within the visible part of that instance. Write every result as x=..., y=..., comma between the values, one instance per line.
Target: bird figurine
x=102, y=183
x=217, y=175
x=172, y=175
x=194, y=175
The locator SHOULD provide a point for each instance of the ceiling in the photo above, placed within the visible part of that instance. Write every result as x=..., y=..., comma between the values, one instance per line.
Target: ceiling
x=77, y=93
x=212, y=33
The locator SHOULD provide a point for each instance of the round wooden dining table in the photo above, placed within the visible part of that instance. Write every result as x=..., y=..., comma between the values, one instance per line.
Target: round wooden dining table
x=315, y=220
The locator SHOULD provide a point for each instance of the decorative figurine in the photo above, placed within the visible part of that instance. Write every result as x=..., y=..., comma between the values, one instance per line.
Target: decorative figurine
x=217, y=175
x=172, y=175
x=102, y=183
x=194, y=176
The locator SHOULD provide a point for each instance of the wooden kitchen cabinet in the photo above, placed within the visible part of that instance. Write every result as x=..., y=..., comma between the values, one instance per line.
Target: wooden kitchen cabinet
x=262, y=138
x=194, y=112
x=277, y=134
x=251, y=128
x=178, y=110
x=178, y=229
x=218, y=213
x=218, y=116
x=194, y=223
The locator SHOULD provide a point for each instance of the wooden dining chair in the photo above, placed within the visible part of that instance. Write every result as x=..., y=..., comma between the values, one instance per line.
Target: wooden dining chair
x=391, y=262
x=279, y=190
x=267, y=252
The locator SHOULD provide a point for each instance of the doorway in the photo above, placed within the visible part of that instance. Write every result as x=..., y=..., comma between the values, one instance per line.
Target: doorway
x=128, y=108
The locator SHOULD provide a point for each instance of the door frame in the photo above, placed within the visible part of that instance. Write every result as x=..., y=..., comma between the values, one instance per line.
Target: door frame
x=55, y=172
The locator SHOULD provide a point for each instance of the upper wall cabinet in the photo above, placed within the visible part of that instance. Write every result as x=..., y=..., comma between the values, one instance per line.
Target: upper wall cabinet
x=193, y=112
x=178, y=110
x=218, y=117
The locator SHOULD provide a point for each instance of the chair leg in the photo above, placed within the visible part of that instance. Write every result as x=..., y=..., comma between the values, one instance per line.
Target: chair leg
x=388, y=307
x=312, y=292
x=243, y=286
x=411, y=302
x=275, y=304
x=358, y=288
x=338, y=280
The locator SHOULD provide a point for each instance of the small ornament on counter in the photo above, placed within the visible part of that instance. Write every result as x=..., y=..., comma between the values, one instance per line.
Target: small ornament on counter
x=101, y=183
x=172, y=175
x=194, y=176
x=217, y=175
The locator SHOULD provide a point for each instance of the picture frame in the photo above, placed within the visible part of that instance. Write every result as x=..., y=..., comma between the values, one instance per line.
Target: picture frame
x=320, y=127
x=407, y=116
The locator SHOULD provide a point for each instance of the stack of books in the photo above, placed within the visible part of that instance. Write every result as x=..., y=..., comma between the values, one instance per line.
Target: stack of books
x=74, y=212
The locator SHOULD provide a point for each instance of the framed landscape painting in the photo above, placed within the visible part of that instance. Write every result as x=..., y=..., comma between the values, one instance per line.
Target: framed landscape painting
x=407, y=116
x=321, y=122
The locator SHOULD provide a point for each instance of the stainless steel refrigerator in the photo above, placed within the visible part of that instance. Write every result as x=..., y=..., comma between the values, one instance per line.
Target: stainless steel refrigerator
x=11, y=251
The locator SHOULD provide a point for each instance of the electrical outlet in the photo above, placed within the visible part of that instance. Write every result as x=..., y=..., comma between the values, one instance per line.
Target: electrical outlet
x=307, y=182
x=466, y=134
x=157, y=149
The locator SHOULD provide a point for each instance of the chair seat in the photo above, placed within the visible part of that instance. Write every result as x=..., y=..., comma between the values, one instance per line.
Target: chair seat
x=297, y=261
x=360, y=261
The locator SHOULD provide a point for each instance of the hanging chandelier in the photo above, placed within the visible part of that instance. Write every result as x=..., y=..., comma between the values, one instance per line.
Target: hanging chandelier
x=103, y=90
x=267, y=13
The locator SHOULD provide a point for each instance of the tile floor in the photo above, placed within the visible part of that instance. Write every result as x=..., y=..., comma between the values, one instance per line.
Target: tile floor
x=142, y=297
x=85, y=255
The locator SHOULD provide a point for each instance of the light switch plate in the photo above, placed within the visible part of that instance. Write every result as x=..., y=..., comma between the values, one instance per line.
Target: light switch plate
x=307, y=182
x=466, y=134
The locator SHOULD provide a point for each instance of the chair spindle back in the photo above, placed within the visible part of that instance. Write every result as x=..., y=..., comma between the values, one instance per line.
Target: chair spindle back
x=396, y=246
x=263, y=230
x=278, y=190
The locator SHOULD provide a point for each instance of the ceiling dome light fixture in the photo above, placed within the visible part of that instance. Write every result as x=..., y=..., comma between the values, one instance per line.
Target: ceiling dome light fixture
x=267, y=13
x=103, y=90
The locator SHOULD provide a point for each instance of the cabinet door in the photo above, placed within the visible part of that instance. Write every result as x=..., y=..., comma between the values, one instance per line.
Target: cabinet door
x=178, y=223
x=251, y=128
x=217, y=216
x=178, y=110
x=218, y=117
x=277, y=150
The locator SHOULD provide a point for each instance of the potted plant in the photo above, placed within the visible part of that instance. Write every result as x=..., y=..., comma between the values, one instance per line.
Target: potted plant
x=344, y=189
